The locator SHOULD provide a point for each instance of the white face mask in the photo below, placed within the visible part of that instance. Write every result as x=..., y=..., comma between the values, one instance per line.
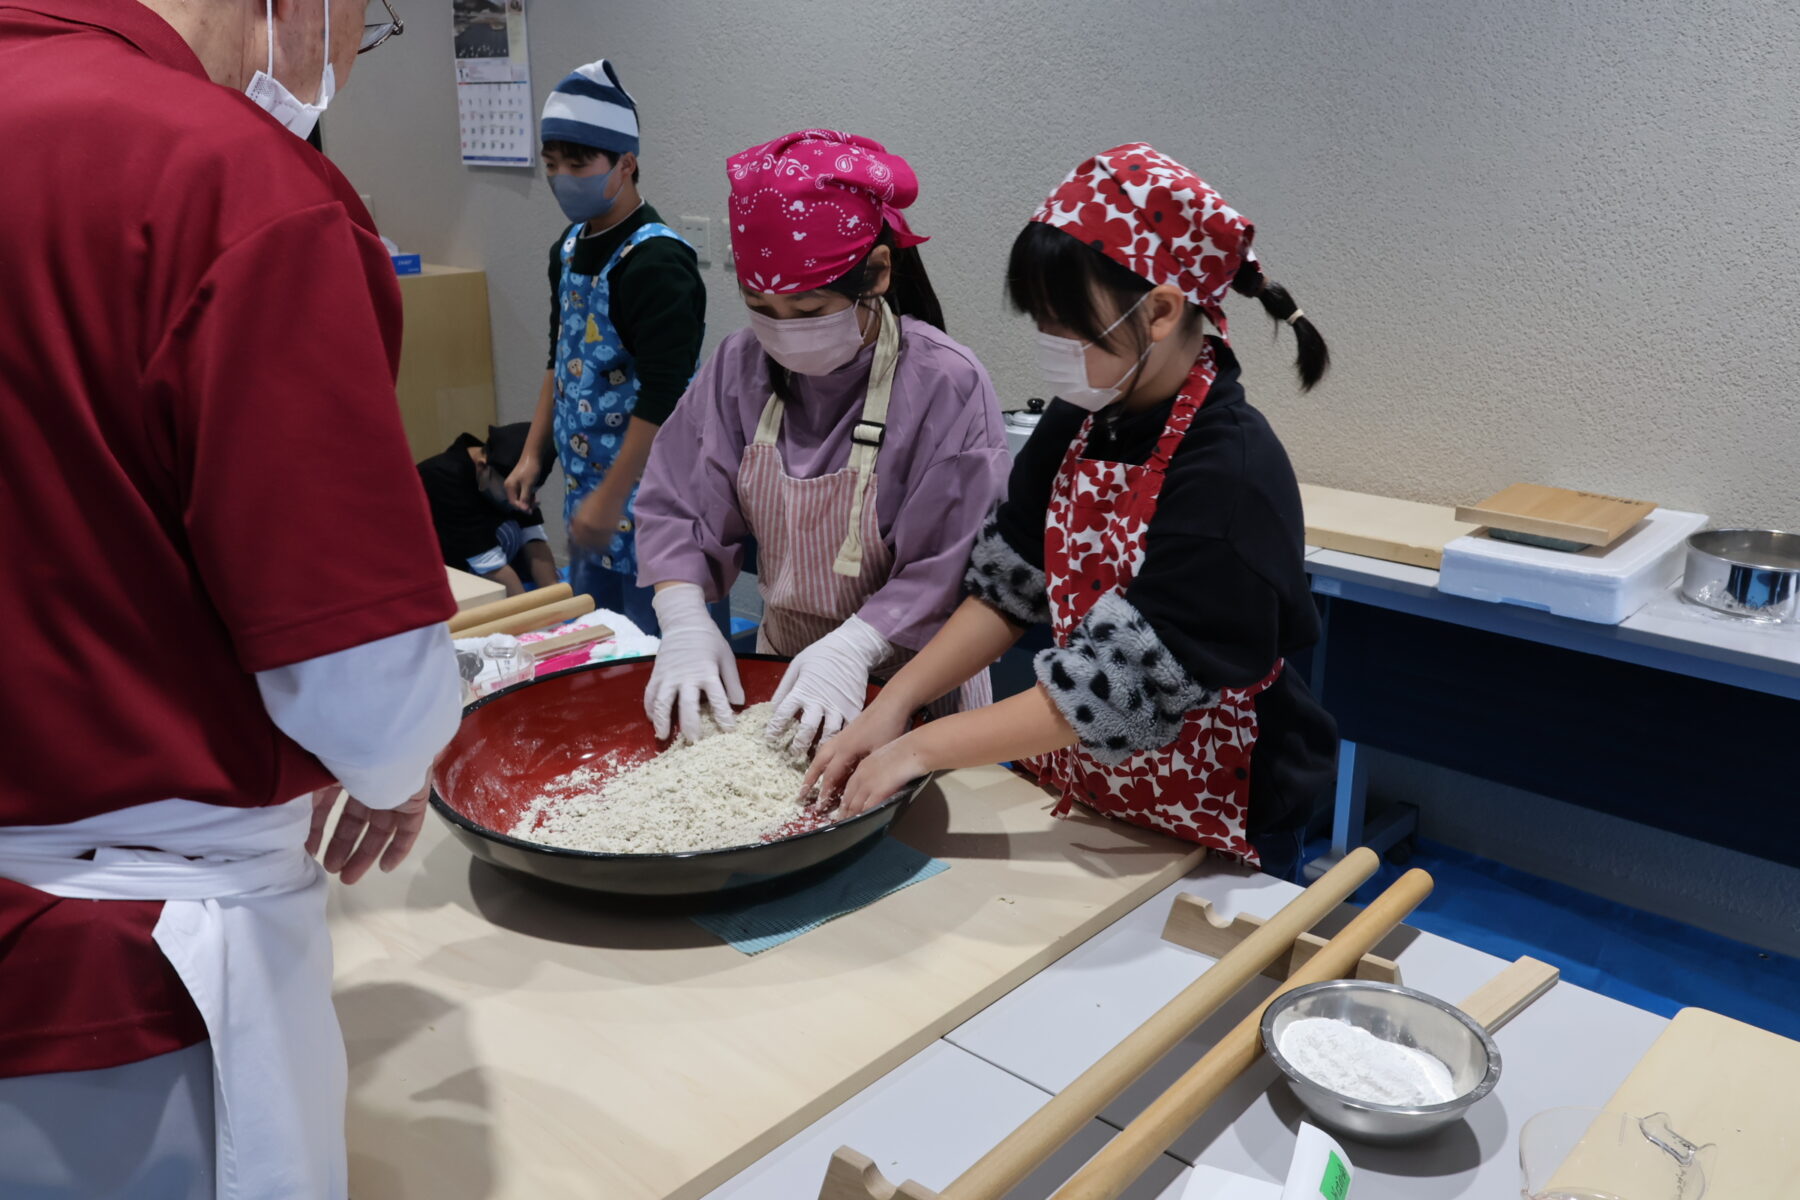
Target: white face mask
x=1063, y=363
x=271, y=95
x=813, y=345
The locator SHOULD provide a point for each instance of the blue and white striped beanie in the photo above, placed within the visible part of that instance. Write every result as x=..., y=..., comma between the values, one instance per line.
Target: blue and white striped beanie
x=590, y=107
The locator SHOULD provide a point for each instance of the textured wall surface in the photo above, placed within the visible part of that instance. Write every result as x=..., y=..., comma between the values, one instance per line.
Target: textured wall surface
x=1547, y=241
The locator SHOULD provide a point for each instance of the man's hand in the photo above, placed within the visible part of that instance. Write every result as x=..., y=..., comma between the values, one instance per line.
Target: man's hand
x=364, y=835
x=521, y=485
x=596, y=519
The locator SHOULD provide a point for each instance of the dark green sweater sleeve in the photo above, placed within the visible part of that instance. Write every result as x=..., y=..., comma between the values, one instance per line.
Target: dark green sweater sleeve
x=555, y=300
x=659, y=308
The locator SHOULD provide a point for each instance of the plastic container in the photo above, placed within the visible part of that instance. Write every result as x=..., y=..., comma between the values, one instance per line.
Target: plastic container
x=1600, y=584
x=504, y=663
x=1592, y=1154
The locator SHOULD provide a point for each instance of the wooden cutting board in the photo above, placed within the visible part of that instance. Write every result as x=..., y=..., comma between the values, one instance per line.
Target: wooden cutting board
x=1731, y=1084
x=1401, y=531
x=472, y=590
x=515, y=1046
x=1585, y=517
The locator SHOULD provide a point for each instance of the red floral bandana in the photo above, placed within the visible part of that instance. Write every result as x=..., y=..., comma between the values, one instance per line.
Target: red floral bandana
x=1155, y=218
x=805, y=208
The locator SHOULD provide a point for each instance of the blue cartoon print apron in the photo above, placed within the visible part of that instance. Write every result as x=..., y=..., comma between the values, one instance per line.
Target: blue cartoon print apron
x=596, y=389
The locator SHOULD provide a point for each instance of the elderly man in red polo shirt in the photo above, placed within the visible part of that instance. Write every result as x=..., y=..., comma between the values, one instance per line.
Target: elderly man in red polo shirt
x=205, y=624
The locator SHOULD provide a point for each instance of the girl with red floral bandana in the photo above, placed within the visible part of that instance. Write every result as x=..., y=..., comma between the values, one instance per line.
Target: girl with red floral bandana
x=1154, y=521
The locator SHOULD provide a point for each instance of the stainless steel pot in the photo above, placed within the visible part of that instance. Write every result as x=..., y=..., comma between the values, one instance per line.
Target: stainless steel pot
x=1749, y=573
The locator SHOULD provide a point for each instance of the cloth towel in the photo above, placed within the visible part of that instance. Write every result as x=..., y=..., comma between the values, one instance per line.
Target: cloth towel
x=761, y=925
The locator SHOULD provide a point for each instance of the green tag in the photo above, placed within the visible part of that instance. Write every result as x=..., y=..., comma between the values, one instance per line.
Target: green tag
x=1336, y=1184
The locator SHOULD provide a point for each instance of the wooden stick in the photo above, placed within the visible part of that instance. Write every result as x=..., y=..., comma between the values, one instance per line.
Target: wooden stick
x=1002, y=1168
x=1155, y=1129
x=481, y=614
x=562, y=643
x=535, y=618
x=1510, y=992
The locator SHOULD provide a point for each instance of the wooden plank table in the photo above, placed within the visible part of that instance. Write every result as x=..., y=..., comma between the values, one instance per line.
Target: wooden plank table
x=505, y=1043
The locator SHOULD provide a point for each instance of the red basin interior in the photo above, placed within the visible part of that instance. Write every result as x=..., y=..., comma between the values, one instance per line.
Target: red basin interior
x=508, y=751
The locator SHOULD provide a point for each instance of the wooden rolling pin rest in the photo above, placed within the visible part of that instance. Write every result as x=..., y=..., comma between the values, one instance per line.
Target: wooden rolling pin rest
x=1245, y=948
x=1193, y=925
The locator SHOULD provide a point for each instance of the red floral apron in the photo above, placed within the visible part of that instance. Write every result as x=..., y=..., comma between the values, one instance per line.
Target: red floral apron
x=1198, y=786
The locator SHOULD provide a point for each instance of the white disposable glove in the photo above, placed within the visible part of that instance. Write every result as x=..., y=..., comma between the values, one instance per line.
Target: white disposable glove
x=826, y=685
x=694, y=661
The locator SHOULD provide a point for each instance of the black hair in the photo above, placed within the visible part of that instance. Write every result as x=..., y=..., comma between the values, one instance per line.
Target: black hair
x=1053, y=278
x=581, y=155
x=505, y=446
x=909, y=294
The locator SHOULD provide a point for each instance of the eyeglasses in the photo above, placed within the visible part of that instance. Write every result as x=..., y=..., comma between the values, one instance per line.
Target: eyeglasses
x=379, y=32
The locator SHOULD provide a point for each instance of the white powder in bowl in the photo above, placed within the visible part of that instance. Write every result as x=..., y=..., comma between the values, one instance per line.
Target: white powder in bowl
x=1354, y=1062
x=728, y=789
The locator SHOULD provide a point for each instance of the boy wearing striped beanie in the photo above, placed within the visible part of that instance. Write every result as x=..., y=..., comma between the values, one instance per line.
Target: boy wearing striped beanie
x=627, y=315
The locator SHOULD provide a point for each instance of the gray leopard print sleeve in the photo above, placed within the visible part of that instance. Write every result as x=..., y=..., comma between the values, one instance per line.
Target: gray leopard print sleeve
x=999, y=576
x=1118, y=685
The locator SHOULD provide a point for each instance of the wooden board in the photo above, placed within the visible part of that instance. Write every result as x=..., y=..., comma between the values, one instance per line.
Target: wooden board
x=1585, y=517
x=507, y=1044
x=1731, y=1084
x=472, y=591
x=446, y=382
x=1402, y=531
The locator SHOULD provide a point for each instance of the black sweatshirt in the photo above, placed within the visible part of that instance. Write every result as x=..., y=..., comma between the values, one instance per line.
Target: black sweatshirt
x=1222, y=588
x=658, y=306
x=467, y=523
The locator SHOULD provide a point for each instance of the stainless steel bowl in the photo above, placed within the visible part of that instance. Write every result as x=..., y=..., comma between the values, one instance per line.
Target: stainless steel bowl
x=1749, y=573
x=1393, y=1014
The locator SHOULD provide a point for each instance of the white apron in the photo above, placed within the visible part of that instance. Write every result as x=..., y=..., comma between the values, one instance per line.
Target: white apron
x=812, y=579
x=243, y=924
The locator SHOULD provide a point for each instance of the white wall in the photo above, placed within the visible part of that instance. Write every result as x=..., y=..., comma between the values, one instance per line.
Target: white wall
x=1547, y=240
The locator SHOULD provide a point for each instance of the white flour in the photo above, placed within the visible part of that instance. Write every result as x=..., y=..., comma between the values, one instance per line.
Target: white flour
x=1355, y=1063
x=729, y=789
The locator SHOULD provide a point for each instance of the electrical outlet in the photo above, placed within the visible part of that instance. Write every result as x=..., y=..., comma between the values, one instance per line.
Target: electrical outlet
x=368, y=202
x=697, y=231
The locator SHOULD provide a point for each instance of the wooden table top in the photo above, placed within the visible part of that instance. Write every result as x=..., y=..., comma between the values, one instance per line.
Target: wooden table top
x=508, y=1043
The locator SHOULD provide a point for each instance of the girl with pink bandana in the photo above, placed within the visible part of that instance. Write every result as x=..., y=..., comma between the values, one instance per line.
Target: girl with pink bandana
x=855, y=442
x=1154, y=522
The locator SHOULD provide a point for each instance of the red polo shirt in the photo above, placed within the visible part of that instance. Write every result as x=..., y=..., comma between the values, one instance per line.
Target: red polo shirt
x=202, y=475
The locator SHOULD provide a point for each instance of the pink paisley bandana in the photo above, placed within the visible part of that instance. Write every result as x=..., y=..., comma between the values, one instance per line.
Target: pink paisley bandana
x=1155, y=218
x=807, y=207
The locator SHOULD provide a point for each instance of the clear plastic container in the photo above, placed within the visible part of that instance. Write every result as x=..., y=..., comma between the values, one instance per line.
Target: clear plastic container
x=1598, y=1154
x=504, y=663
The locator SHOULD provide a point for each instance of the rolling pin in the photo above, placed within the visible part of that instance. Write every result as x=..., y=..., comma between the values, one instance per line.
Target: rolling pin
x=482, y=614
x=1007, y=1164
x=535, y=618
x=1154, y=1130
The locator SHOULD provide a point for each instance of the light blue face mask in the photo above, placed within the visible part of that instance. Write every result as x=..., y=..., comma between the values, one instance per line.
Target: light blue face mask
x=583, y=197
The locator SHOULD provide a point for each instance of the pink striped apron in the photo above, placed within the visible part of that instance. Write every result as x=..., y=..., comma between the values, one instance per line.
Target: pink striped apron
x=820, y=553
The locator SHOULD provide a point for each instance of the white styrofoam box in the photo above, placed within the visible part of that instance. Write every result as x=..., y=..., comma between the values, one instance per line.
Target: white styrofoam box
x=1596, y=584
